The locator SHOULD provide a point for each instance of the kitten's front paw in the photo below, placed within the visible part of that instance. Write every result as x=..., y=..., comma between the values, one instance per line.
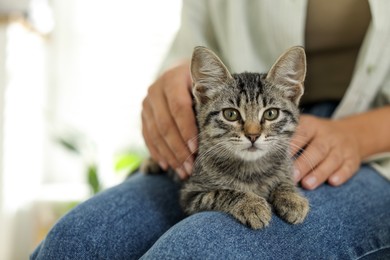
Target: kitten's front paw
x=292, y=207
x=253, y=212
x=149, y=166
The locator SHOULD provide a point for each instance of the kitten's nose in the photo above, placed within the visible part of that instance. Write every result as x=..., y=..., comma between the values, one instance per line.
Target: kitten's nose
x=252, y=137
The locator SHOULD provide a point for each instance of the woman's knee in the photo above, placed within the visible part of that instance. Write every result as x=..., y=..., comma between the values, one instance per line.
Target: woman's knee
x=205, y=235
x=122, y=221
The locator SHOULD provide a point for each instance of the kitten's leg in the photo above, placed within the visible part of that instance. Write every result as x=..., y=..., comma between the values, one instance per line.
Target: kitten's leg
x=248, y=208
x=289, y=204
x=149, y=166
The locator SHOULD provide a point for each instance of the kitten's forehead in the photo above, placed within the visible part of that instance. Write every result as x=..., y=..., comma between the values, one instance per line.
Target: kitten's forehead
x=251, y=91
x=251, y=82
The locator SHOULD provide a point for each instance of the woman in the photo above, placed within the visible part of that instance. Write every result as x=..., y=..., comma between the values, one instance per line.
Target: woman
x=348, y=79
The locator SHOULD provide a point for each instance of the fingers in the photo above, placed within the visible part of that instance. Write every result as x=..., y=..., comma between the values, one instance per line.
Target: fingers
x=316, y=162
x=179, y=100
x=344, y=173
x=314, y=154
x=157, y=148
x=168, y=130
x=322, y=171
x=303, y=135
x=333, y=170
x=153, y=152
x=184, y=117
x=157, y=139
x=168, y=121
x=330, y=154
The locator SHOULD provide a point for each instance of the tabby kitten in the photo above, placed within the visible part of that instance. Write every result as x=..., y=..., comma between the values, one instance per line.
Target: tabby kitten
x=245, y=125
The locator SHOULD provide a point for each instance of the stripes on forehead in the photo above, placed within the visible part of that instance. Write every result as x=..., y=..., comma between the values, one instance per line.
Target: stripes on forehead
x=249, y=87
x=267, y=100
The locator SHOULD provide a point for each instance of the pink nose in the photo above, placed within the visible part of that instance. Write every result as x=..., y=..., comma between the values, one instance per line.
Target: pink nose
x=252, y=137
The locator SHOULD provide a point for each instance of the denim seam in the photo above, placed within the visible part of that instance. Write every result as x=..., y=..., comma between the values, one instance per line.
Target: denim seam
x=372, y=251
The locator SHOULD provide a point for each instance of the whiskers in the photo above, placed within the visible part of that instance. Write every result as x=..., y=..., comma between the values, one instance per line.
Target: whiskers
x=216, y=151
x=228, y=149
x=202, y=135
x=281, y=150
x=298, y=151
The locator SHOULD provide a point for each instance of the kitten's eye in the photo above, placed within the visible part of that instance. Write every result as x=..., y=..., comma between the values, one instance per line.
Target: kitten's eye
x=231, y=114
x=271, y=114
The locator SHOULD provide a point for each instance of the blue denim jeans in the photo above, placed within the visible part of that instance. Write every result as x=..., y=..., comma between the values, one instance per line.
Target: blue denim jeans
x=141, y=218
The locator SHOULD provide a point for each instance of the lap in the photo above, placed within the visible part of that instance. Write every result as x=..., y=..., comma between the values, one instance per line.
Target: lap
x=124, y=222
x=345, y=222
x=120, y=223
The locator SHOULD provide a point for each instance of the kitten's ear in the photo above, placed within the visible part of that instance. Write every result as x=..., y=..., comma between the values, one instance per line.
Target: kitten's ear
x=209, y=74
x=289, y=73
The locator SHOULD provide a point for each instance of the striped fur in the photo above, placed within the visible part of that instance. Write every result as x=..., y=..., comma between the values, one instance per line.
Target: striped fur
x=227, y=176
x=243, y=167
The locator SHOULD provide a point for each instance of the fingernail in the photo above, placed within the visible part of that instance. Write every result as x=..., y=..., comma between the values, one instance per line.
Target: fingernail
x=181, y=173
x=188, y=166
x=163, y=165
x=334, y=180
x=191, y=144
x=297, y=174
x=311, y=181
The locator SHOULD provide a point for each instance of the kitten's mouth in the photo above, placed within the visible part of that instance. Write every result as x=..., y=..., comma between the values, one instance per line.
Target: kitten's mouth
x=252, y=149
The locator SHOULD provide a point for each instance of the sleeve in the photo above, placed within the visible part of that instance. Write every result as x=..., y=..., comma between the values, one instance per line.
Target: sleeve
x=382, y=162
x=383, y=96
x=195, y=29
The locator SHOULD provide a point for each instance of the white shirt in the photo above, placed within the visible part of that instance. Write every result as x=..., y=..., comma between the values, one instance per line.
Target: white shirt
x=250, y=36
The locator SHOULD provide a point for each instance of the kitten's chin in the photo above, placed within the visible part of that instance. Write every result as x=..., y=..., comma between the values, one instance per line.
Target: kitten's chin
x=250, y=154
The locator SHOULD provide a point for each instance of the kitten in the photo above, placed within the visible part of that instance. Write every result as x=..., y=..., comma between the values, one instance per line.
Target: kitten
x=245, y=125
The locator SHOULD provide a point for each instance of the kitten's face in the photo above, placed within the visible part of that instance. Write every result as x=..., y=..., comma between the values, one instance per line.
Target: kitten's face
x=248, y=119
x=247, y=115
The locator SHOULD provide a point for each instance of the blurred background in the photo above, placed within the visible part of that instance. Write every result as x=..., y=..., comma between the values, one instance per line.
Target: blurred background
x=73, y=74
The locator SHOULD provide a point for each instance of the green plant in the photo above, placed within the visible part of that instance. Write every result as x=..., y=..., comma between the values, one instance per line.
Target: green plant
x=125, y=163
x=128, y=162
x=74, y=145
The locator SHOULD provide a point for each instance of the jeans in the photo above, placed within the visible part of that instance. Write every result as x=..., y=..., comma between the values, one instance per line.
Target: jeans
x=141, y=218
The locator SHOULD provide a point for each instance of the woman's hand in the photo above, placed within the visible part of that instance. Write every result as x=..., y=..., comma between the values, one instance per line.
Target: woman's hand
x=168, y=121
x=331, y=152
